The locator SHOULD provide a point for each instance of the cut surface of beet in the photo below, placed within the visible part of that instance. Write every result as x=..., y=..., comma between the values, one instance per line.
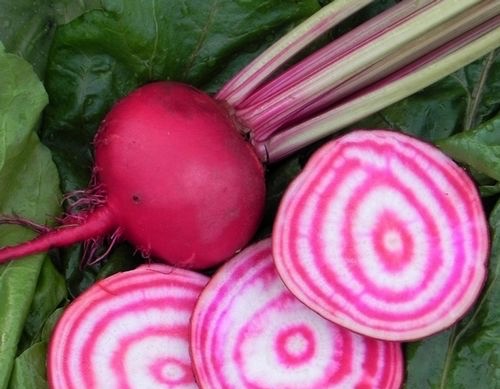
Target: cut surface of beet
x=130, y=330
x=249, y=331
x=383, y=234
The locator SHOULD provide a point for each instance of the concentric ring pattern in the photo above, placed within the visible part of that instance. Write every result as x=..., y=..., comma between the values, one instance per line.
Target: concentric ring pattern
x=383, y=234
x=130, y=330
x=249, y=331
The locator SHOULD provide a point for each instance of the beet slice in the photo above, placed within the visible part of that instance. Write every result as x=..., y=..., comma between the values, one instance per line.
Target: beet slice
x=383, y=234
x=249, y=331
x=130, y=330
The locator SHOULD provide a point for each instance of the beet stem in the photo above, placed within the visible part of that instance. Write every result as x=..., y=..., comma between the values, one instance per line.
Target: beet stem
x=97, y=223
x=256, y=73
x=406, y=81
x=275, y=112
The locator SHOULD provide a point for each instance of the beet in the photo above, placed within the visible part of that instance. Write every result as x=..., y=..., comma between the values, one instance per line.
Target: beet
x=383, y=234
x=130, y=330
x=174, y=176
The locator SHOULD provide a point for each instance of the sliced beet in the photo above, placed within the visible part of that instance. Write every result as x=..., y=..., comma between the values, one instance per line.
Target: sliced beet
x=383, y=234
x=249, y=331
x=130, y=330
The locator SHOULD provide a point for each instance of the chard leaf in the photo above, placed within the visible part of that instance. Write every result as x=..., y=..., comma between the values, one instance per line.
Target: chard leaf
x=27, y=26
x=49, y=294
x=29, y=369
x=490, y=190
x=467, y=355
x=30, y=366
x=478, y=148
x=29, y=188
x=106, y=53
x=457, y=103
x=482, y=80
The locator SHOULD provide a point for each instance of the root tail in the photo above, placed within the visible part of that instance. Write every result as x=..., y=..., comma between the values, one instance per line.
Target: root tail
x=94, y=224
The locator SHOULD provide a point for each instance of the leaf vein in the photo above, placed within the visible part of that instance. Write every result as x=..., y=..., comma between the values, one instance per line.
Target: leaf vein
x=203, y=37
x=457, y=335
x=155, y=44
x=477, y=93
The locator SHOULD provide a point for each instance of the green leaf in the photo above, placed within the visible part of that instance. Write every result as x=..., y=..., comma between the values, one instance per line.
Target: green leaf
x=104, y=54
x=456, y=103
x=467, y=355
x=478, y=148
x=49, y=294
x=434, y=113
x=29, y=188
x=278, y=177
x=489, y=190
x=29, y=369
x=482, y=81
x=50, y=323
x=79, y=279
x=30, y=366
x=27, y=26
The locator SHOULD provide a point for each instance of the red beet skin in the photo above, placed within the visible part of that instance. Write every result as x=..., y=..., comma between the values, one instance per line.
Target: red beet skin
x=180, y=181
x=192, y=190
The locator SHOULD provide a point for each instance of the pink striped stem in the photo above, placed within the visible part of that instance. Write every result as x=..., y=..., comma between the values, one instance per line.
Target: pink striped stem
x=256, y=72
x=130, y=330
x=459, y=42
x=251, y=110
x=436, y=40
x=345, y=44
x=270, y=114
x=383, y=234
x=411, y=78
x=249, y=331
